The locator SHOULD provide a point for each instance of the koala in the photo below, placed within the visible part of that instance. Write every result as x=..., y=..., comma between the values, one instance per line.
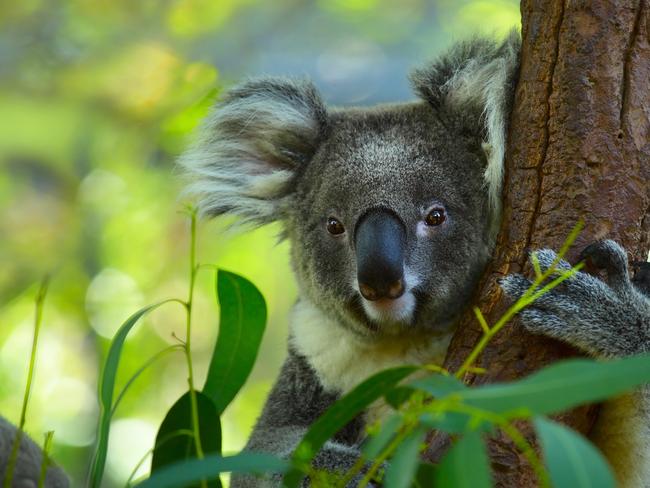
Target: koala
x=27, y=470
x=391, y=213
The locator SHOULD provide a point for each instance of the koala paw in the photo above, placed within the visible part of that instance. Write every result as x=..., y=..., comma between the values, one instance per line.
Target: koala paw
x=606, y=319
x=608, y=256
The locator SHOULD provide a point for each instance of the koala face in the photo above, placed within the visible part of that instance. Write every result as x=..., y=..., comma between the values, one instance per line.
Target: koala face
x=391, y=211
x=391, y=175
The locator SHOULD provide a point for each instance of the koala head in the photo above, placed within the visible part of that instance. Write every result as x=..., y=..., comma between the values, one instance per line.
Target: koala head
x=391, y=211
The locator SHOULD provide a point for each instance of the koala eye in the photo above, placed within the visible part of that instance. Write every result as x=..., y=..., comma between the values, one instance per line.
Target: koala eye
x=334, y=226
x=436, y=216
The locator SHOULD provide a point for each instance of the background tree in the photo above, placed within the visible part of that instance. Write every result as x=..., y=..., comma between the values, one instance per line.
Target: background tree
x=579, y=149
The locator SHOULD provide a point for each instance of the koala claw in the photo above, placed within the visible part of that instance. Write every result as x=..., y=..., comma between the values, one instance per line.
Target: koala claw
x=642, y=276
x=608, y=256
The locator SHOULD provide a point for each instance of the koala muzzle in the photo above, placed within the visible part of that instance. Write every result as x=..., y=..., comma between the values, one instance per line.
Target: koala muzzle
x=380, y=241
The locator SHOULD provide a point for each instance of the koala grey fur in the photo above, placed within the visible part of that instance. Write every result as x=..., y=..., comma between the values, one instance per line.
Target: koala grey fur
x=27, y=469
x=271, y=151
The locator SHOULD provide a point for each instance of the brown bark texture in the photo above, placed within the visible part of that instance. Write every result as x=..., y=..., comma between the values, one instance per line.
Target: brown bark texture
x=579, y=149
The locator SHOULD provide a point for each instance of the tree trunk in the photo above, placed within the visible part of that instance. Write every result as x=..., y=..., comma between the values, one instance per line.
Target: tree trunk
x=579, y=148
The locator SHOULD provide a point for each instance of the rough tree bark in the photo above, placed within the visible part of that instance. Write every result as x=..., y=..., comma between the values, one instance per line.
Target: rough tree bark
x=579, y=148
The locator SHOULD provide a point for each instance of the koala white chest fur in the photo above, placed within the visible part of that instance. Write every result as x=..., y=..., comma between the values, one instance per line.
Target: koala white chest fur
x=343, y=360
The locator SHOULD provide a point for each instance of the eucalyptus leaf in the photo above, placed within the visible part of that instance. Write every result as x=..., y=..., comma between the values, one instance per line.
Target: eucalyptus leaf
x=455, y=422
x=241, y=327
x=572, y=461
x=404, y=463
x=562, y=386
x=466, y=464
x=186, y=472
x=425, y=477
x=395, y=397
x=171, y=448
x=438, y=385
x=107, y=389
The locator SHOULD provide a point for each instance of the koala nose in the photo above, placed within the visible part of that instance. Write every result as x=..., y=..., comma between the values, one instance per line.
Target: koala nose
x=380, y=240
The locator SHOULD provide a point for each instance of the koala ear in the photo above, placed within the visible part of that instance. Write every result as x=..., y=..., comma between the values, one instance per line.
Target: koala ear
x=251, y=145
x=477, y=79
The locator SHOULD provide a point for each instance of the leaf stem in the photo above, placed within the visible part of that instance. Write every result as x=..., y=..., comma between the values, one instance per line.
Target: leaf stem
x=11, y=464
x=188, y=341
x=46, y=458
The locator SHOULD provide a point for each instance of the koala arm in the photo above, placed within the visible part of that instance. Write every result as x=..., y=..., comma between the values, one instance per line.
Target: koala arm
x=295, y=402
x=27, y=469
x=605, y=319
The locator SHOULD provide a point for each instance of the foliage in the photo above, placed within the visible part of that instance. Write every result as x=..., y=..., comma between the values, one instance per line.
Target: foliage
x=175, y=439
x=430, y=401
x=187, y=451
x=195, y=416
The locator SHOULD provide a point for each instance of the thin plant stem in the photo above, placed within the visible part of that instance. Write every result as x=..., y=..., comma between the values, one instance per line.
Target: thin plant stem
x=141, y=370
x=45, y=462
x=11, y=464
x=188, y=341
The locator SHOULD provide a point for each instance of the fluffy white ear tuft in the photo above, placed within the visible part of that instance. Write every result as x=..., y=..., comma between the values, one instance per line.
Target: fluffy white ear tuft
x=477, y=77
x=250, y=146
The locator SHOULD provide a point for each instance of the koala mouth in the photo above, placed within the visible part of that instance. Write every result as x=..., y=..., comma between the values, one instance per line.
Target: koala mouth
x=402, y=311
x=388, y=310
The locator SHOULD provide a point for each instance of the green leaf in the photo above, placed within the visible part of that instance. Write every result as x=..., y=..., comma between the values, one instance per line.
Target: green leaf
x=107, y=389
x=465, y=465
x=374, y=444
x=339, y=414
x=404, y=463
x=438, y=385
x=241, y=327
x=571, y=460
x=395, y=397
x=455, y=422
x=186, y=472
x=562, y=386
x=425, y=476
x=171, y=447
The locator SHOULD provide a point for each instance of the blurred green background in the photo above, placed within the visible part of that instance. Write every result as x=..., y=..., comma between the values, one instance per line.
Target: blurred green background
x=97, y=100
